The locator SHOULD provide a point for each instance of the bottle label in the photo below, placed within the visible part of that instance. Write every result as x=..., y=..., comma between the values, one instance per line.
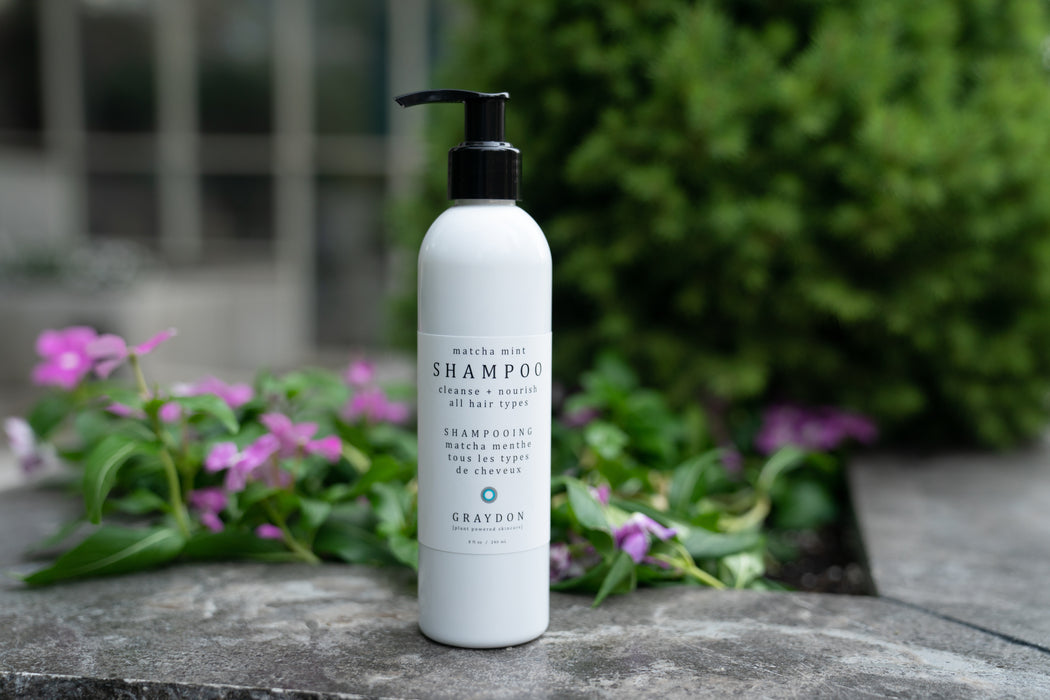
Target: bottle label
x=484, y=442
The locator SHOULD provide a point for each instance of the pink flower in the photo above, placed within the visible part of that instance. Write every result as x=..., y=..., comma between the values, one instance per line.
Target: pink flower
x=211, y=498
x=119, y=409
x=294, y=437
x=633, y=536
x=331, y=448
x=109, y=351
x=31, y=455
x=240, y=465
x=235, y=395
x=291, y=436
x=170, y=412
x=360, y=373
x=373, y=405
x=212, y=521
x=209, y=502
x=66, y=359
x=268, y=532
x=220, y=457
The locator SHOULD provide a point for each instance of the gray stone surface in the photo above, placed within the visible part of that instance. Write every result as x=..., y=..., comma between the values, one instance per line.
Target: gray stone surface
x=254, y=630
x=966, y=536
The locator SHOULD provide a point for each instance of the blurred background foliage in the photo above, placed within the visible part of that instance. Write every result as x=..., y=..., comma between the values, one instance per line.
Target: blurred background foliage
x=840, y=203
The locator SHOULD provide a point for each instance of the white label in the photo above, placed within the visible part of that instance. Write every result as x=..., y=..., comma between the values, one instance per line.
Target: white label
x=484, y=442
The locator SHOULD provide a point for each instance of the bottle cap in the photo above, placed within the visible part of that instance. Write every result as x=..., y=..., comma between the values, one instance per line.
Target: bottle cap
x=483, y=166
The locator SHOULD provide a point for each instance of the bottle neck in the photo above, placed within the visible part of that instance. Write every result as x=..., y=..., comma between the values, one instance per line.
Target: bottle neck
x=484, y=202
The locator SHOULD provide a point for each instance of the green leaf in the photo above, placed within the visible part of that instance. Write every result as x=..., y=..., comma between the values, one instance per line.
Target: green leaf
x=101, y=467
x=382, y=469
x=686, y=478
x=804, y=504
x=704, y=544
x=743, y=568
x=313, y=513
x=588, y=511
x=590, y=580
x=606, y=439
x=210, y=405
x=49, y=411
x=405, y=550
x=231, y=544
x=112, y=550
x=784, y=459
x=351, y=543
x=391, y=509
x=620, y=575
x=140, y=502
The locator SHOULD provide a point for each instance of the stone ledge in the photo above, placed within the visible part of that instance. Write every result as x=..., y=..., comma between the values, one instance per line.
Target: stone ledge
x=964, y=536
x=255, y=630
x=251, y=630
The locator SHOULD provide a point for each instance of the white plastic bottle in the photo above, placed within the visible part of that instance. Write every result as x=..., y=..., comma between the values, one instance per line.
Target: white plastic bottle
x=484, y=401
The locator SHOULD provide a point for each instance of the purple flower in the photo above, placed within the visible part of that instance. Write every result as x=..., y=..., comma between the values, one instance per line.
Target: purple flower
x=360, y=374
x=731, y=458
x=373, y=405
x=209, y=502
x=31, y=455
x=561, y=561
x=235, y=395
x=601, y=493
x=268, y=532
x=572, y=560
x=820, y=429
x=109, y=351
x=66, y=359
x=580, y=417
x=633, y=536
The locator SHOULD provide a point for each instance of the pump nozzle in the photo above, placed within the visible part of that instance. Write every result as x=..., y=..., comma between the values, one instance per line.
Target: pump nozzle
x=484, y=110
x=484, y=166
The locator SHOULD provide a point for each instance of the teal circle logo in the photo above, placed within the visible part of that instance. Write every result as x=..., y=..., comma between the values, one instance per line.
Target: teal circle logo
x=488, y=494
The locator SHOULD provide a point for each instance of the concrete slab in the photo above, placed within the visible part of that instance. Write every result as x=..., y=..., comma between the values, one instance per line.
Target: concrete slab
x=966, y=536
x=291, y=631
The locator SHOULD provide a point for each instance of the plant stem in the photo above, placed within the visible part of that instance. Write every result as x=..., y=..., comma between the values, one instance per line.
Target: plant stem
x=140, y=379
x=689, y=566
x=286, y=535
x=752, y=518
x=171, y=472
x=175, y=492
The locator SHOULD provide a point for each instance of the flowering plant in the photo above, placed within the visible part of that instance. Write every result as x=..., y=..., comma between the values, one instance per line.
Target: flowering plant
x=319, y=465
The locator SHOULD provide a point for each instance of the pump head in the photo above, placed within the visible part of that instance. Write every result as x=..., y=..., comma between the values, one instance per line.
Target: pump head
x=483, y=166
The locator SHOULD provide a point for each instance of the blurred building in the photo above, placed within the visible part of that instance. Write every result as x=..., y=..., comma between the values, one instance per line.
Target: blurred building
x=221, y=166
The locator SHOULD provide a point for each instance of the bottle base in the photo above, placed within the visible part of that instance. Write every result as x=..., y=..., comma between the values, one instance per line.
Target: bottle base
x=484, y=601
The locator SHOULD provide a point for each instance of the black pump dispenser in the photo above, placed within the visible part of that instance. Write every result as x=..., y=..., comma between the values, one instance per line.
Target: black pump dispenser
x=484, y=166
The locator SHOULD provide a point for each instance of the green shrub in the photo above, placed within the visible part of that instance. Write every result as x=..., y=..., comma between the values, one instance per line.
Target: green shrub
x=843, y=203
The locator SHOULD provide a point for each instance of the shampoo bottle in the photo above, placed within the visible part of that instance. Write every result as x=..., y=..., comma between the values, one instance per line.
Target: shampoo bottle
x=484, y=396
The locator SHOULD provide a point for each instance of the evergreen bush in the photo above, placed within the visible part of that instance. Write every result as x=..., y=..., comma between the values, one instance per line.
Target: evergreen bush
x=826, y=202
